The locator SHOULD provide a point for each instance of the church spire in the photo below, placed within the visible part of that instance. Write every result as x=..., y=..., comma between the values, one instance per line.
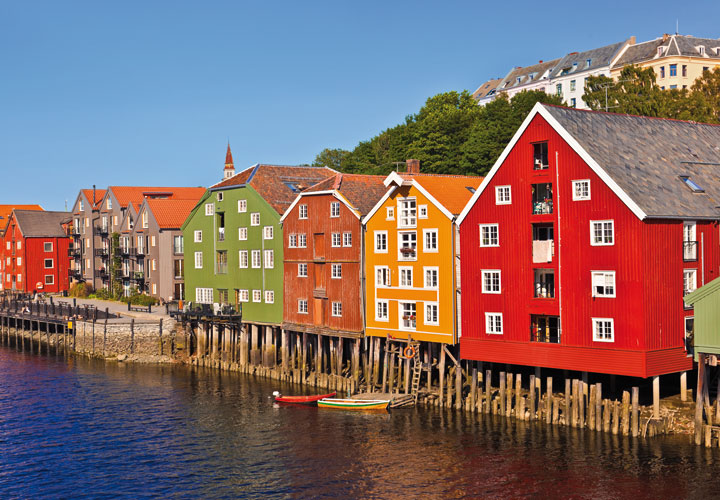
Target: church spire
x=229, y=166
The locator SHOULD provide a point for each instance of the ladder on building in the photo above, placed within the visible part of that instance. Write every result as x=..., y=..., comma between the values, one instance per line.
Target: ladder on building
x=417, y=372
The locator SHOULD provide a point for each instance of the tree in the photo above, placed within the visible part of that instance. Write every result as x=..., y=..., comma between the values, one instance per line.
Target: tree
x=332, y=158
x=708, y=86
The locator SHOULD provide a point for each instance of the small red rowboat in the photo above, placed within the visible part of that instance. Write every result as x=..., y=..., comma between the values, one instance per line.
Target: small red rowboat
x=301, y=400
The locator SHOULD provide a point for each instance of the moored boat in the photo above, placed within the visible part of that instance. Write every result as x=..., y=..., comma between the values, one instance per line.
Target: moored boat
x=302, y=400
x=354, y=404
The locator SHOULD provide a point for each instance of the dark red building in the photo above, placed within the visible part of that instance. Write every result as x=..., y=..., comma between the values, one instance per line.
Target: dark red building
x=577, y=248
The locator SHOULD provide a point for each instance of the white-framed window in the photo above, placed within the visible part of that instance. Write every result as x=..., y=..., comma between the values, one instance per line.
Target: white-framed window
x=489, y=235
x=145, y=219
x=581, y=190
x=603, y=283
x=422, y=212
x=347, y=239
x=115, y=220
x=689, y=241
x=255, y=219
x=431, y=277
x=303, y=306
x=209, y=209
x=87, y=222
x=302, y=240
x=382, y=275
x=49, y=279
x=430, y=240
x=87, y=243
x=407, y=209
x=490, y=281
x=198, y=236
x=292, y=241
x=152, y=241
x=154, y=288
x=7, y=245
x=154, y=264
x=269, y=259
x=18, y=261
x=503, y=195
x=390, y=213
x=336, y=240
x=243, y=295
x=406, y=277
x=219, y=196
x=268, y=232
x=49, y=263
x=302, y=271
x=602, y=232
x=689, y=280
x=407, y=247
x=242, y=233
x=381, y=241
x=493, y=323
x=204, y=295
x=80, y=206
x=109, y=203
x=255, y=256
x=269, y=297
x=335, y=209
x=336, y=271
x=302, y=211
x=257, y=296
x=337, y=309
x=242, y=207
x=198, y=260
x=603, y=329
x=431, y=313
x=408, y=319
x=243, y=258
x=381, y=310
x=19, y=278
x=48, y=246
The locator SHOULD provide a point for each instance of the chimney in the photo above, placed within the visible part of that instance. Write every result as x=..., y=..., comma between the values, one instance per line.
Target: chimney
x=93, y=195
x=665, y=37
x=413, y=166
x=540, y=61
x=632, y=40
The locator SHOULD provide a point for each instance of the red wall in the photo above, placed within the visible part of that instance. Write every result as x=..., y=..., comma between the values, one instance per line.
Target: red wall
x=646, y=257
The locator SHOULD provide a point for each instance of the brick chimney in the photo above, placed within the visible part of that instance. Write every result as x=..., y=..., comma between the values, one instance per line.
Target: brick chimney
x=665, y=37
x=413, y=166
x=633, y=40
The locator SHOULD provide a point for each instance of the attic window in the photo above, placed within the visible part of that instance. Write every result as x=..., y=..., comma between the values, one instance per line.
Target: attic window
x=661, y=51
x=293, y=186
x=471, y=189
x=588, y=63
x=701, y=50
x=691, y=184
x=575, y=65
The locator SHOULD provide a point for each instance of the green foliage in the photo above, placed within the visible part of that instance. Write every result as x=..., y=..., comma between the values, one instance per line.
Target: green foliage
x=708, y=86
x=116, y=266
x=80, y=290
x=330, y=158
x=140, y=299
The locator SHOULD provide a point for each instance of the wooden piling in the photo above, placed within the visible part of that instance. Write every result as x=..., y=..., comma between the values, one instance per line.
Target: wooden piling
x=598, y=406
x=626, y=413
x=575, y=402
x=531, y=402
x=683, y=386
x=509, y=394
x=458, y=385
x=635, y=423
x=550, y=400
x=502, y=393
x=567, y=401
x=519, y=411
x=656, y=396
x=488, y=391
x=473, y=388
x=441, y=368
x=701, y=384
x=591, y=408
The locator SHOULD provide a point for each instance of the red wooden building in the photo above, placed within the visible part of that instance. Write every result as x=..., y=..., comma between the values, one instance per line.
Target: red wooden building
x=323, y=289
x=35, y=251
x=577, y=248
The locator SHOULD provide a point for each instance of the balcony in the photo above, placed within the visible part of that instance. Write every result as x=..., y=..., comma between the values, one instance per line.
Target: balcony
x=137, y=276
x=74, y=274
x=542, y=199
x=101, y=230
x=689, y=251
x=545, y=329
x=140, y=252
x=102, y=274
x=544, y=284
x=221, y=234
x=75, y=253
x=102, y=252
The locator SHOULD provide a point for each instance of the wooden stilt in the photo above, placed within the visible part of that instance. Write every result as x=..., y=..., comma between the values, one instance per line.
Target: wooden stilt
x=591, y=408
x=598, y=406
x=699, y=393
x=519, y=411
x=549, y=411
x=488, y=391
x=683, y=386
x=635, y=423
x=473, y=388
x=502, y=393
x=656, y=396
x=567, y=401
x=441, y=369
x=386, y=368
x=531, y=401
x=458, y=385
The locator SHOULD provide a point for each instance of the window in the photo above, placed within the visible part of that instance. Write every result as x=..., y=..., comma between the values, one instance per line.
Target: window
x=80, y=206
x=243, y=296
x=257, y=296
x=407, y=315
x=19, y=261
x=198, y=260
x=269, y=297
x=602, y=232
x=255, y=254
x=87, y=243
x=381, y=310
x=684, y=70
x=407, y=246
x=154, y=265
x=335, y=209
x=382, y=276
x=109, y=203
x=219, y=196
x=431, y=313
x=198, y=236
x=431, y=277
x=302, y=271
x=269, y=259
x=292, y=241
x=221, y=259
x=673, y=70
x=302, y=306
x=337, y=309
x=381, y=242
x=603, y=283
x=422, y=212
x=242, y=233
x=689, y=242
x=336, y=271
x=144, y=220
x=694, y=186
x=18, y=245
x=603, y=330
x=178, y=265
x=430, y=240
x=540, y=156
x=558, y=89
x=573, y=102
x=489, y=235
x=491, y=281
x=178, y=244
x=581, y=190
x=347, y=239
x=302, y=240
x=49, y=279
x=154, y=288
x=48, y=246
x=673, y=86
x=336, y=240
x=303, y=212
x=243, y=259
x=701, y=49
x=572, y=85
x=406, y=277
x=19, y=278
x=255, y=219
x=242, y=207
x=502, y=195
x=7, y=245
x=209, y=209
x=493, y=323
x=408, y=212
x=204, y=295
x=689, y=280
x=152, y=241
x=390, y=213
x=268, y=232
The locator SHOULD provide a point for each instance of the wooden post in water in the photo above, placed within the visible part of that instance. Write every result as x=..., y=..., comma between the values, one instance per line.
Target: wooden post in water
x=386, y=368
x=635, y=423
x=509, y=395
x=356, y=362
x=473, y=389
x=581, y=402
x=701, y=382
x=458, y=385
x=441, y=369
x=591, y=408
x=568, y=393
x=488, y=391
x=284, y=353
x=598, y=406
x=550, y=400
x=683, y=386
x=575, y=402
x=626, y=413
x=502, y=393
x=656, y=396
x=531, y=402
x=519, y=409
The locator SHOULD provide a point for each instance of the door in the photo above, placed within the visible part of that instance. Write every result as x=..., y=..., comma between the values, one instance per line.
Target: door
x=319, y=246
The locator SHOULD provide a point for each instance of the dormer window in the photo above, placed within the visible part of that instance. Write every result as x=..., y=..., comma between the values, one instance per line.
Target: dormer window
x=701, y=50
x=518, y=79
x=575, y=65
x=694, y=186
x=660, y=51
x=588, y=63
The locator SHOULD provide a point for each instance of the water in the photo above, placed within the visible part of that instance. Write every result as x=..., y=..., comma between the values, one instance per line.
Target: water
x=86, y=429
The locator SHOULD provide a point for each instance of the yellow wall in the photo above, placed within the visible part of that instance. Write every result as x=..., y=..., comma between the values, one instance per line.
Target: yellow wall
x=445, y=331
x=694, y=65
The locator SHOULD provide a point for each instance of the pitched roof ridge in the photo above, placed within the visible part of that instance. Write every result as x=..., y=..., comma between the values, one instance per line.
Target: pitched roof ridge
x=600, y=112
x=449, y=176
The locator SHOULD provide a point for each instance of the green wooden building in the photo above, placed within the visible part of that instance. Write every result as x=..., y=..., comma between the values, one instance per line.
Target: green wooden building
x=705, y=330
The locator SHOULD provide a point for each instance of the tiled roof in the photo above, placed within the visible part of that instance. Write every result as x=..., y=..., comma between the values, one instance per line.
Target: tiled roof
x=99, y=195
x=362, y=191
x=135, y=194
x=451, y=191
x=647, y=156
x=576, y=62
x=536, y=71
x=675, y=45
x=486, y=88
x=35, y=223
x=6, y=210
x=279, y=185
x=171, y=214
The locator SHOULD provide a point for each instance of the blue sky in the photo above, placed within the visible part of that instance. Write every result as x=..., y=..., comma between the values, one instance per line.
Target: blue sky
x=148, y=93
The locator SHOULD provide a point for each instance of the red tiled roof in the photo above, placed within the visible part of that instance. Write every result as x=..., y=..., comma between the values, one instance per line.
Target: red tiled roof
x=135, y=194
x=6, y=210
x=99, y=195
x=171, y=214
x=362, y=191
x=451, y=191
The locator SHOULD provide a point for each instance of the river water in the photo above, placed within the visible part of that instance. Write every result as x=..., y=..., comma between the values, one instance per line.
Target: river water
x=76, y=428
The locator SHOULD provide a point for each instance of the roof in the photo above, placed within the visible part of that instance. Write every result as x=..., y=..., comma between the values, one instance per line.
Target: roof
x=451, y=191
x=99, y=195
x=523, y=75
x=171, y=214
x=6, y=210
x=35, y=224
x=697, y=295
x=675, y=45
x=279, y=185
x=588, y=60
x=486, y=89
x=362, y=191
x=136, y=194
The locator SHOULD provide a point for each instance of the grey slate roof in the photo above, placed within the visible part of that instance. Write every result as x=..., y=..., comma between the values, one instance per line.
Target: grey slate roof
x=577, y=61
x=35, y=223
x=675, y=45
x=487, y=88
x=536, y=71
x=647, y=156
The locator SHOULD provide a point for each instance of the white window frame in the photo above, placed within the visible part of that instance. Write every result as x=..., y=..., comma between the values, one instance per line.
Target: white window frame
x=386, y=310
x=491, y=327
x=595, y=322
x=422, y=212
x=406, y=219
x=243, y=259
x=403, y=273
x=302, y=270
x=209, y=209
x=335, y=240
x=242, y=207
x=337, y=309
x=693, y=274
x=382, y=276
x=244, y=295
x=255, y=219
x=242, y=234
x=436, y=271
x=427, y=306
x=268, y=232
x=292, y=241
x=409, y=257
x=427, y=249
x=347, y=239
x=257, y=296
x=204, y=295
x=269, y=296
x=45, y=263
x=198, y=260
x=255, y=261
x=302, y=306
x=385, y=235
x=500, y=198
x=269, y=259
x=152, y=240
x=401, y=321
x=18, y=261
x=45, y=246
x=580, y=197
x=50, y=281
x=197, y=236
x=604, y=276
x=490, y=273
x=390, y=213
x=302, y=240
x=489, y=228
x=334, y=209
x=592, y=233
x=302, y=211
x=219, y=196
x=336, y=271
